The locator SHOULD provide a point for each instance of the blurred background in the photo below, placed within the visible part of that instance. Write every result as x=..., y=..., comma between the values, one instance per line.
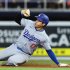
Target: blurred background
x=58, y=28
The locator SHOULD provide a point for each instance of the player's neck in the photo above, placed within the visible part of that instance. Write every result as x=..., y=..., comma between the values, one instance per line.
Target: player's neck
x=39, y=29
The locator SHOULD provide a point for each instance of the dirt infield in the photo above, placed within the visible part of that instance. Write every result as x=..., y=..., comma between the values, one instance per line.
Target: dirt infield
x=37, y=65
x=42, y=66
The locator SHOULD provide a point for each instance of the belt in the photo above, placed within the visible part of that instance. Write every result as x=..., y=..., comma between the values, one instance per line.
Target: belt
x=22, y=50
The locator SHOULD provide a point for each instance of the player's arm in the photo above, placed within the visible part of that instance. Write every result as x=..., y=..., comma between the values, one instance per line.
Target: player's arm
x=25, y=13
x=47, y=46
x=53, y=57
x=51, y=54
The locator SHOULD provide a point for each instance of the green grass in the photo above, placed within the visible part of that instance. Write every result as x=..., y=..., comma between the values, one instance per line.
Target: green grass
x=47, y=61
x=37, y=62
x=29, y=68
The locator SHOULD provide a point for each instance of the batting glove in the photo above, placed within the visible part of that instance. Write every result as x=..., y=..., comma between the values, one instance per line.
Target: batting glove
x=25, y=12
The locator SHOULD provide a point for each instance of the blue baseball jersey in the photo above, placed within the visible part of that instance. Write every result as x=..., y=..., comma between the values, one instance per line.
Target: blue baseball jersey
x=31, y=37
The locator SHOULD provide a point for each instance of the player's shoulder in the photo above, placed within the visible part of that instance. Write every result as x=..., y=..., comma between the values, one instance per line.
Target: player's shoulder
x=27, y=20
x=43, y=32
x=45, y=35
x=31, y=23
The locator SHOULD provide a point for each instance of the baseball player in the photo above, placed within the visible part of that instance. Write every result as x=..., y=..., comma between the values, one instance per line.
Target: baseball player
x=32, y=35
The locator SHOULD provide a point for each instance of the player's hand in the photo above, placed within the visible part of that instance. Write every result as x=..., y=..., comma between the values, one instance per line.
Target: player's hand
x=25, y=12
x=63, y=65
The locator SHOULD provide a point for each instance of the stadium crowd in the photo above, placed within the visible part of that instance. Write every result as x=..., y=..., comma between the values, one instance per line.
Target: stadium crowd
x=54, y=4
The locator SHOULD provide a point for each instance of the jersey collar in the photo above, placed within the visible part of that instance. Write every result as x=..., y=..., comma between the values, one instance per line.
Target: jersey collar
x=39, y=30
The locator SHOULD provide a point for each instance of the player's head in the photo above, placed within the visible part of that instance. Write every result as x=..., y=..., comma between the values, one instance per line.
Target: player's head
x=42, y=20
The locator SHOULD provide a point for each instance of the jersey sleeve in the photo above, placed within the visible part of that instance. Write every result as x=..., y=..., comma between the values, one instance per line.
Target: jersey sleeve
x=46, y=44
x=25, y=22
